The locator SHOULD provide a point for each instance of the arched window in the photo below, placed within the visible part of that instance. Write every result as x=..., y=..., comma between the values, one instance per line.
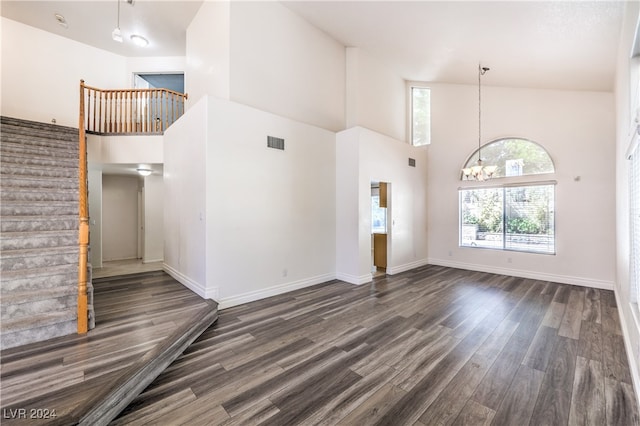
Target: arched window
x=514, y=216
x=512, y=157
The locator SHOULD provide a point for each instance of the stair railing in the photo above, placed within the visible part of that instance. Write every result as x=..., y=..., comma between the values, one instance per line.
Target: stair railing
x=110, y=112
x=83, y=239
x=130, y=111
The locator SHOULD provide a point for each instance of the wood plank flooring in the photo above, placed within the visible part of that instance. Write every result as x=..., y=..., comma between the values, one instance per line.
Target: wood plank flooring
x=432, y=346
x=136, y=315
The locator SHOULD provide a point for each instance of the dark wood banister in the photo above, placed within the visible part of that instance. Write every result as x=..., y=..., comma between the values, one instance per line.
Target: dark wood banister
x=109, y=112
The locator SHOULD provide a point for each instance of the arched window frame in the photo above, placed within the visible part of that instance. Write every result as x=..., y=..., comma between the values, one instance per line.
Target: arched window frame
x=515, y=213
x=472, y=159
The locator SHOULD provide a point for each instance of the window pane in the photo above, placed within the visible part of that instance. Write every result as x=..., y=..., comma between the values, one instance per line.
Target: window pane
x=481, y=218
x=634, y=210
x=513, y=157
x=529, y=216
x=378, y=216
x=420, y=116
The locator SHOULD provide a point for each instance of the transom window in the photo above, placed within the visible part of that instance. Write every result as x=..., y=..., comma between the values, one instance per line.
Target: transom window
x=517, y=216
x=420, y=116
x=513, y=157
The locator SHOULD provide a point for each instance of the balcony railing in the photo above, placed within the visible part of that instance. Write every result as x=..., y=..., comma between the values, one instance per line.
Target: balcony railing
x=130, y=111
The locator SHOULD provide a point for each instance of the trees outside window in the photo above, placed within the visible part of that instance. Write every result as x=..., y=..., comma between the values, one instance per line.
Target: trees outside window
x=513, y=217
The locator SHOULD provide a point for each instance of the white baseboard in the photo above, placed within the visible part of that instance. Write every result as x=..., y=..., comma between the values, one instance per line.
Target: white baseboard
x=354, y=279
x=152, y=260
x=535, y=275
x=194, y=286
x=633, y=364
x=251, y=296
x=407, y=266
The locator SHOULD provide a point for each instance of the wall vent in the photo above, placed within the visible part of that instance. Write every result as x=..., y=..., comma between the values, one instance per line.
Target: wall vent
x=412, y=162
x=273, y=142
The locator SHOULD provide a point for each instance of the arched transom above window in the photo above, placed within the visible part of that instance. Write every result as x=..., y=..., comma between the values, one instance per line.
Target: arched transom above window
x=511, y=157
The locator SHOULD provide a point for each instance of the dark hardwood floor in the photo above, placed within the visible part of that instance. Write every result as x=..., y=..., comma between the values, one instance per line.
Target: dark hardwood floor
x=64, y=380
x=432, y=346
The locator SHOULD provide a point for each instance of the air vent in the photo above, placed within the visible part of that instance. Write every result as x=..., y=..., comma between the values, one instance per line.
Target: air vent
x=273, y=142
x=412, y=162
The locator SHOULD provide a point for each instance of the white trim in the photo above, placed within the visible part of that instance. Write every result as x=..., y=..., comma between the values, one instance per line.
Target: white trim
x=634, y=142
x=536, y=275
x=633, y=364
x=407, y=266
x=353, y=279
x=194, y=286
x=152, y=260
x=275, y=290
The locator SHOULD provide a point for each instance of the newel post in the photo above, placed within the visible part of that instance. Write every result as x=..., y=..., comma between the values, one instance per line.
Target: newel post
x=84, y=222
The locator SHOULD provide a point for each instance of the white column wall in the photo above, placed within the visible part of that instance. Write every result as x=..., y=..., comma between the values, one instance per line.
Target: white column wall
x=185, y=193
x=379, y=158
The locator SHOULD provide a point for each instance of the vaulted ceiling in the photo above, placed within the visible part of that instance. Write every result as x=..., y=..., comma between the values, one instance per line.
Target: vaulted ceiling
x=539, y=44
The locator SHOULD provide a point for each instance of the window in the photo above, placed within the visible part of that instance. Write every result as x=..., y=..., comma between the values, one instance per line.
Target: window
x=634, y=216
x=518, y=216
x=514, y=157
x=511, y=218
x=378, y=216
x=420, y=116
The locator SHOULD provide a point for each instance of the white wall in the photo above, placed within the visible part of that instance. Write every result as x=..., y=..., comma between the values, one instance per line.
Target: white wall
x=282, y=64
x=577, y=129
x=144, y=149
x=364, y=156
x=207, y=64
x=270, y=213
x=120, y=217
x=153, y=218
x=41, y=73
x=376, y=95
x=185, y=193
x=626, y=83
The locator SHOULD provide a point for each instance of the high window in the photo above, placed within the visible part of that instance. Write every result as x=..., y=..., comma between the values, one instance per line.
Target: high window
x=514, y=216
x=420, y=116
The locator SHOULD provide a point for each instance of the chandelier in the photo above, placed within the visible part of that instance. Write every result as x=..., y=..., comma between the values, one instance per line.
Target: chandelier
x=479, y=172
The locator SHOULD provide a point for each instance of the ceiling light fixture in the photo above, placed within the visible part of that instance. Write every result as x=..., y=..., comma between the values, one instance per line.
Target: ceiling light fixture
x=140, y=41
x=61, y=21
x=116, y=35
x=479, y=172
x=144, y=171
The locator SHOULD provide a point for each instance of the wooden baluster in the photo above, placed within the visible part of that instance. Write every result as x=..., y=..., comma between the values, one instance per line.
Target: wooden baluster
x=165, y=105
x=95, y=97
x=100, y=119
x=131, y=111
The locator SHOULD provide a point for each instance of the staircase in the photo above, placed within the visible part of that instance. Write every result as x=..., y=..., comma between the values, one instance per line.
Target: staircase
x=39, y=231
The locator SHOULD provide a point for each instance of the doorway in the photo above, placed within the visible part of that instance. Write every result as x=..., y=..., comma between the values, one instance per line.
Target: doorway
x=379, y=228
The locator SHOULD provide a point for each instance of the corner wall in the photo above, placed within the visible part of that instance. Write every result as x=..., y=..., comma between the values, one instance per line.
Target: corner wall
x=364, y=156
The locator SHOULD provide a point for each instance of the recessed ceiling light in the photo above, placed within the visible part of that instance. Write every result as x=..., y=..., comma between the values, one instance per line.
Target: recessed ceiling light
x=61, y=21
x=144, y=171
x=139, y=40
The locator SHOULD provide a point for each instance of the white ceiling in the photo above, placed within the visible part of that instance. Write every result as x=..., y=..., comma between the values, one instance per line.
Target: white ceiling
x=163, y=23
x=539, y=44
